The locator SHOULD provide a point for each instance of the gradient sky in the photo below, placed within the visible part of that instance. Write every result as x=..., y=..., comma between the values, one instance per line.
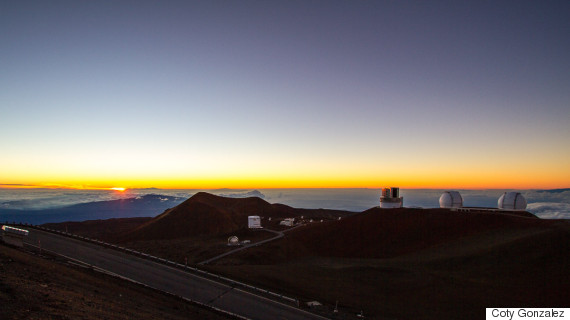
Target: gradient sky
x=207, y=94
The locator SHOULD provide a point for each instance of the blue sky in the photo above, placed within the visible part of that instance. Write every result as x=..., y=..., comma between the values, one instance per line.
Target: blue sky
x=274, y=93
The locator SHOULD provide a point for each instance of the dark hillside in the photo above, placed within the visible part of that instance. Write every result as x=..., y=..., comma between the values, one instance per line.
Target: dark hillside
x=208, y=214
x=385, y=233
x=108, y=230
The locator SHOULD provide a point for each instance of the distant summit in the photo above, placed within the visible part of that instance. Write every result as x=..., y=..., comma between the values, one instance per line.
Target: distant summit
x=555, y=190
x=254, y=193
x=208, y=214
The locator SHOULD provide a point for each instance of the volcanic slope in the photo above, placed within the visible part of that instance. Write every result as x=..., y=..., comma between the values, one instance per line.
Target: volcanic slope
x=386, y=233
x=415, y=263
x=208, y=214
x=392, y=263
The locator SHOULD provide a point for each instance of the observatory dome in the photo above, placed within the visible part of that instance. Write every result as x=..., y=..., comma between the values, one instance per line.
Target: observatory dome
x=512, y=201
x=451, y=199
x=233, y=241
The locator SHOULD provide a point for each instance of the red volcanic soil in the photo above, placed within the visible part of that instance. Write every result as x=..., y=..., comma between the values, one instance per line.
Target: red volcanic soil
x=207, y=214
x=383, y=233
x=392, y=263
x=416, y=263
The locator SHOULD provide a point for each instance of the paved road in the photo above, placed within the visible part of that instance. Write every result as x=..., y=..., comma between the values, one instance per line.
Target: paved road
x=168, y=279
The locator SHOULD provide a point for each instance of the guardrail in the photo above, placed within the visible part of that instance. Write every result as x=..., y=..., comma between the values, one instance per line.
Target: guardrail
x=165, y=262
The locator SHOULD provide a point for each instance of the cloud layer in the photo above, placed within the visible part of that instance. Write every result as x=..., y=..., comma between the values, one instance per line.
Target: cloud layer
x=548, y=204
x=550, y=210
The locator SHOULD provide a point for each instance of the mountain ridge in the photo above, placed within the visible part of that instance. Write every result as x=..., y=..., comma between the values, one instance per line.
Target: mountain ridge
x=208, y=214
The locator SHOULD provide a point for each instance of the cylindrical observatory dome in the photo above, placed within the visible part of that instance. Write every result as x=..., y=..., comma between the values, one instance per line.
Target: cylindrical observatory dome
x=512, y=201
x=451, y=199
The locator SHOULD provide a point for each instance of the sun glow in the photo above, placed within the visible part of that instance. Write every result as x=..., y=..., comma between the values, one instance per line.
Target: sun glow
x=120, y=189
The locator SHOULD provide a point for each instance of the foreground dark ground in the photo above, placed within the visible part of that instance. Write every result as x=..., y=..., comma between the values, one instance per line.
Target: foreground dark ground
x=392, y=264
x=451, y=281
x=33, y=287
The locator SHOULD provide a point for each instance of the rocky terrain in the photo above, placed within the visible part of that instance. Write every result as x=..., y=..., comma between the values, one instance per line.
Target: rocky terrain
x=404, y=263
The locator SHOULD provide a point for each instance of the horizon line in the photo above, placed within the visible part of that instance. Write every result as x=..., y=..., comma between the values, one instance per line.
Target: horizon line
x=125, y=189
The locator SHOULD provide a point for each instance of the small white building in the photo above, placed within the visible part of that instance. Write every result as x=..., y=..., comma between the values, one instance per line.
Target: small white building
x=314, y=304
x=391, y=198
x=14, y=236
x=289, y=222
x=254, y=222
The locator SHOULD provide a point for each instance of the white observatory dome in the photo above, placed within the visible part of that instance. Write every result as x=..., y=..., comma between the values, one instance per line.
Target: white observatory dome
x=451, y=199
x=512, y=201
x=233, y=241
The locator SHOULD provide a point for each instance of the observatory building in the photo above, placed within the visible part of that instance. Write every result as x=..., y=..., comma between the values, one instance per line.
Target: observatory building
x=254, y=222
x=512, y=201
x=391, y=198
x=451, y=199
x=288, y=222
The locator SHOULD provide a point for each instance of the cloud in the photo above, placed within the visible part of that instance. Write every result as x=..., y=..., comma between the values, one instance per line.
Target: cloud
x=34, y=199
x=550, y=210
x=559, y=195
x=549, y=204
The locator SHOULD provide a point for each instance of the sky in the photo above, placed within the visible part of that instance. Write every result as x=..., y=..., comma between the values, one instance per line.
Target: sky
x=281, y=94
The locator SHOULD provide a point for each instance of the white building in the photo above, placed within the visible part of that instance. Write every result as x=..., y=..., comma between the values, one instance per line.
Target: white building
x=451, y=199
x=254, y=222
x=289, y=222
x=391, y=198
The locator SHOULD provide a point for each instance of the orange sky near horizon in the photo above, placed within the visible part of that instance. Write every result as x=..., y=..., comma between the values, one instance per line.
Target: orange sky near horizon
x=474, y=180
x=467, y=170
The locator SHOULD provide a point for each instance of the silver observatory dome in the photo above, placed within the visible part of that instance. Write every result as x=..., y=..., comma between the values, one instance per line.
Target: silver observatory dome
x=451, y=199
x=512, y=201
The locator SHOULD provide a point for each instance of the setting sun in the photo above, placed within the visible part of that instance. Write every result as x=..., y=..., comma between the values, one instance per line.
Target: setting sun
x=118, y=189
